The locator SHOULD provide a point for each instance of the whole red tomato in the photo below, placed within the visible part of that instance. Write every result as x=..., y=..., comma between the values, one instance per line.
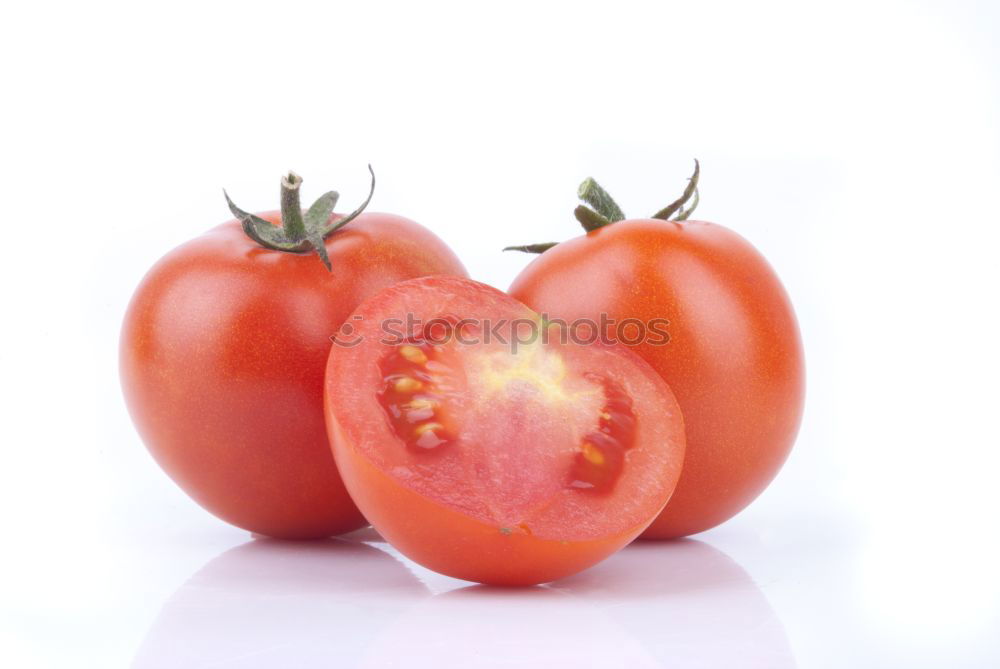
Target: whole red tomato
x=224, y=346
x=485, y=445
x=732, y=354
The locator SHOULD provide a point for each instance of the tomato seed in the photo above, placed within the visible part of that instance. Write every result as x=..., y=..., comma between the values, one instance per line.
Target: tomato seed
x=407, y=370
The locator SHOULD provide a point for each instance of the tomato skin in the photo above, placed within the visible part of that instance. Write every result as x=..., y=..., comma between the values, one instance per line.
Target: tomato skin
x=452, y=543
x=734, y=359
x=222, y=355
x=456, y=520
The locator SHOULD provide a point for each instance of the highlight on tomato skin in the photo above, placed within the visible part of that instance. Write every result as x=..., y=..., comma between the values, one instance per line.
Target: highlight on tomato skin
x=491, y=457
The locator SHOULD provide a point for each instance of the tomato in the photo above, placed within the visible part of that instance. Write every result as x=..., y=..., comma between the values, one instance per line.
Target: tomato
x=223, y=350
x=732, y=351
x=485, y=445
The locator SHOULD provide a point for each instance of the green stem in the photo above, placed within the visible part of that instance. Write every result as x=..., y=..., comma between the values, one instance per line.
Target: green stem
x=299, y=233
x=591, y=192
x=291, y=208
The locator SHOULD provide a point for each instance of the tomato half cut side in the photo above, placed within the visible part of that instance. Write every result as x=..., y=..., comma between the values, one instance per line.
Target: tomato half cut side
x=489, y=446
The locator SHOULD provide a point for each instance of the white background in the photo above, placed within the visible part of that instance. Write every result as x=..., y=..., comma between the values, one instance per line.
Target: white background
x=855, y=143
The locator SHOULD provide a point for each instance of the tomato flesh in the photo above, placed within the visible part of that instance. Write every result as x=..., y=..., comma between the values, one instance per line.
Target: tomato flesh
x=568, y=446
x=416, y=399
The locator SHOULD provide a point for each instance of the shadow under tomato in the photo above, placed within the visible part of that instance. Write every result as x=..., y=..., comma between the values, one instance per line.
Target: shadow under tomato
x=656, y=568
x=367, y=533
x=484, y=626
x=689, y=603
x=677, y=604
x=269, y=603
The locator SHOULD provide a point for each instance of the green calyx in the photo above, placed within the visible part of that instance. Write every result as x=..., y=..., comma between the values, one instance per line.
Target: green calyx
x=300, y=232
x=603, y=210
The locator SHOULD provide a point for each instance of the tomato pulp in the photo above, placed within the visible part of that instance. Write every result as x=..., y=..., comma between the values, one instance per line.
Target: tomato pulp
x=222, y=356
x=733, y=355
x=484, y=445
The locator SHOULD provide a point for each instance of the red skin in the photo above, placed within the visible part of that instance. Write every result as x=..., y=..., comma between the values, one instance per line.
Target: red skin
x=452, y=543
x=734, y=359
x=223, y=352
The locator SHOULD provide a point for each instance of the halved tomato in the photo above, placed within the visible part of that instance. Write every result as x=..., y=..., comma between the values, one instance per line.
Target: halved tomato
x=487, y=444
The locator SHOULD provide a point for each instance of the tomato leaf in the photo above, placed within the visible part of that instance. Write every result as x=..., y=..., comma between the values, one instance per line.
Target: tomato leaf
x=321, y=210
x=675, y=206
x=532, y=248
x=341, y=222
x=590, y=219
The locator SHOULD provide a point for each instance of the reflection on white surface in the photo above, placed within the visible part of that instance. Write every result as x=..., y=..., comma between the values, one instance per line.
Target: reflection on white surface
x=690, y=604
x=348, y=604
x=280, y=604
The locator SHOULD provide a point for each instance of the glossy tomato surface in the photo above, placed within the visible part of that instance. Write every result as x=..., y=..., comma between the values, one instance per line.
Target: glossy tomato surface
x=495, y=460
x=732, y=353
x=222, y=355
